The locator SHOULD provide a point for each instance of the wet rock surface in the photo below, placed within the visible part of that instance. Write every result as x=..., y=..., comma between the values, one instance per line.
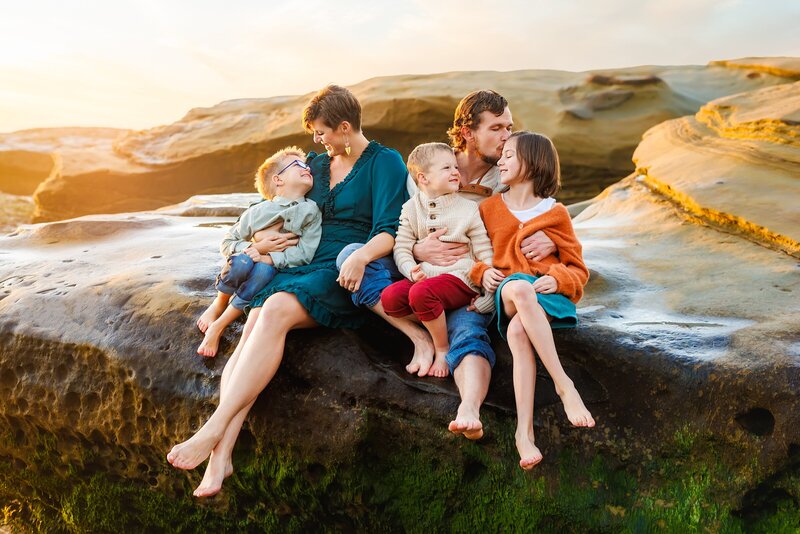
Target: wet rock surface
x=595, y=118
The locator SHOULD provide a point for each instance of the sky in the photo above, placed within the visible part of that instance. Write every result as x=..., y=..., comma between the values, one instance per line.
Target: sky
x=141, y=63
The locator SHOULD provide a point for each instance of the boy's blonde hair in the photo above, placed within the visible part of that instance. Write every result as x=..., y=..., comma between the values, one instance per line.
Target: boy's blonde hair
x=271, y=166
x=420, y=158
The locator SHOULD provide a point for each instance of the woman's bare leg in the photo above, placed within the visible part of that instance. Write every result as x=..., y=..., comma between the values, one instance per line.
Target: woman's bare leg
x=255, y=367
x=220, y=464
x=536, y=324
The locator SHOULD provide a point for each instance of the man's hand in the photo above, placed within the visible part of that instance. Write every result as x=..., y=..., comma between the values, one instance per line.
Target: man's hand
x=352, y=272
x=537, y=246
x=491, y=279
x=270, y=239
x=417, y=275
x=439, y=253
x=545, y=284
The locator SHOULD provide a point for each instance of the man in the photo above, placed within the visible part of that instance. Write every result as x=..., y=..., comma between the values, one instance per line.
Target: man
x=481, y=126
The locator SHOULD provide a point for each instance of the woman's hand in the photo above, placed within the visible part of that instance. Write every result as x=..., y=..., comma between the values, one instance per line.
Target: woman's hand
x=439, y=253
x=417, y=274
x=538, y=246
x=352, y=271
x=491, y=279
x=270, y=239
x=545, y=284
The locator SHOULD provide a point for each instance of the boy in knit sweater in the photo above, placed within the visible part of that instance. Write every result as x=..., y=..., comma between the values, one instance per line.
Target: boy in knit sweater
x=429, y=290
x=283, y=180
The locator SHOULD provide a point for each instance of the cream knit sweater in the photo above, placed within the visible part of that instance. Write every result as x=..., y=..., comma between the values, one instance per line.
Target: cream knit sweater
x=422, y=215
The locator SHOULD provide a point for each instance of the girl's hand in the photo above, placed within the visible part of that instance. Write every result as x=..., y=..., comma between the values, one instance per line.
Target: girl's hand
x=417, y=275
x=491, y=279
x=352, y=272
x=545, y=284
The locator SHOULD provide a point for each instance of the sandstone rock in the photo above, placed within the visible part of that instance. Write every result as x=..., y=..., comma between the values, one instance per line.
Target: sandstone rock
x=595, y=119
x=735, y=164
x=14, y=210
x=788, y=67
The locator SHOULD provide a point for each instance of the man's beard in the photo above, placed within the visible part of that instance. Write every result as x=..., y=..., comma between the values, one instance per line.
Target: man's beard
x=490, y=160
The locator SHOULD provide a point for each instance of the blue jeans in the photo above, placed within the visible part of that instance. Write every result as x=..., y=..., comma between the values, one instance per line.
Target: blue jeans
x=466, y=330
x=468, y=334
x=243, y=278
x=378, y=275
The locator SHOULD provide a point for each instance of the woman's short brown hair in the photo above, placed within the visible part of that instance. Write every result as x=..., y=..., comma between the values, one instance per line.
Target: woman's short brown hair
x=468, y=114
x=263, y=181
x=333, y=104
x=538, y=162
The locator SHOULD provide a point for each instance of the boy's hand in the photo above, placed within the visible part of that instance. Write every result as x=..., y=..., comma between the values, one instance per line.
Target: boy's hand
x=266, y=258
x=352, y=272
x=491, y=279
x=417, y=275
x=254, y=254
x=538, y=246
x=440, y=253
x=270, y=239
x=546, y=284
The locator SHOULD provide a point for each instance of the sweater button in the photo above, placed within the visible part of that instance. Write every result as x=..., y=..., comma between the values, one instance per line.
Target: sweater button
x=432, y=204
x=433, y=217
x=520, y=225
x=431, y=230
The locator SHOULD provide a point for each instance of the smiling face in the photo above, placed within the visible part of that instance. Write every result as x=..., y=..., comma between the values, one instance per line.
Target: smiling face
x=333, y=139
x=441, y=175
x=295, y=180
x=509, y=164
x=492, y=132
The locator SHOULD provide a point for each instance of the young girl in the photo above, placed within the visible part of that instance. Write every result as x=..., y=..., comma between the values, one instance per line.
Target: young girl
x=533, y=296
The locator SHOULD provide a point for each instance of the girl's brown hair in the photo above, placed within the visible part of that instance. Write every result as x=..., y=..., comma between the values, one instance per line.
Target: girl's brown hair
x=333, y=104
x=538, y=162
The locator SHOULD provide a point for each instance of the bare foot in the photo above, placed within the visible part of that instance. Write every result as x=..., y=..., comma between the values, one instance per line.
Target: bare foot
x=467, y=422
x=529, y=453
x=423, y=356
x=210, y=344
x=192, y=452
x=577, y=413
x=439, y=368
x=211, y=314
x=217, y=471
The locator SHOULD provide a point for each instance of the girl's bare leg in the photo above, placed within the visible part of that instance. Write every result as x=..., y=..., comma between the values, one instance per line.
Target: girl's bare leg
x=220, y=464
x=423, y=346
x=524, y=387
x=523, y=299
x=255, y=367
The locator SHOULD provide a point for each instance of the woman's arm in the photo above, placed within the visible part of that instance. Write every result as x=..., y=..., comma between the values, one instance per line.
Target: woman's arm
x=352, y=270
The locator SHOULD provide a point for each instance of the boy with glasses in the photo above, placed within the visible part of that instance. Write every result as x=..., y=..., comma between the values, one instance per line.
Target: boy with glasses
x=283, y=180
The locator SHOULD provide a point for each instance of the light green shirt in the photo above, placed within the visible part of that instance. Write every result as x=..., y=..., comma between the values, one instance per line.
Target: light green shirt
x=301, y=217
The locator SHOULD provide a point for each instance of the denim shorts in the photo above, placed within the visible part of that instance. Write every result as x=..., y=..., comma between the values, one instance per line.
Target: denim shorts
x=243, y=278
x=378, y=275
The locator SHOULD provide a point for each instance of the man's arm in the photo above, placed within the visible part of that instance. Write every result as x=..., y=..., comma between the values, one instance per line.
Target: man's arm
x=438, y=252
x=538, y=246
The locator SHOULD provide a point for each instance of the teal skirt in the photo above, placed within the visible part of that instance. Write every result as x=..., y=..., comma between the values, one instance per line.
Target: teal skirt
x=559, y=307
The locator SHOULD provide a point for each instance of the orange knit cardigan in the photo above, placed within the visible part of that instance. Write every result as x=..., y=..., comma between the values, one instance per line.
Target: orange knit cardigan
x=507, y=232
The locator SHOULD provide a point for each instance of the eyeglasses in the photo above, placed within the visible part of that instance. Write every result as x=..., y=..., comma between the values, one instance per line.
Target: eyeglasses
x=297, y=162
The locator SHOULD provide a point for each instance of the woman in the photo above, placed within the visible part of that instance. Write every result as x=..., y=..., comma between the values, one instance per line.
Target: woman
x=360, y=187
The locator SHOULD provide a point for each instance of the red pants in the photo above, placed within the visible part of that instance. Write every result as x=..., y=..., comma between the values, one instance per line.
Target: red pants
x=427, y=299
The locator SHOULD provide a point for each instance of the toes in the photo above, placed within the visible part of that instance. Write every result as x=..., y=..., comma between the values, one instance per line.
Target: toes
x=412, y=367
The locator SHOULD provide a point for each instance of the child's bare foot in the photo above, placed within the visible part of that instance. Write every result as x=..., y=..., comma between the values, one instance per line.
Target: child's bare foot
x=577, y=413
x=210, y=344
x=423, y=355
x=439, y=368
x=217, y=470
x=192, y=452
x=211, y=314
x=467, y=422
x=529, y=453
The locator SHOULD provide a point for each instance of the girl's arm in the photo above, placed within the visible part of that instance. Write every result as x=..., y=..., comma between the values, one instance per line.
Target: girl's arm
x=571, y=273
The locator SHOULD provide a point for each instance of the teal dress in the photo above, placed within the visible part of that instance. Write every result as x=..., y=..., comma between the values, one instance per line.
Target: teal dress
x=364, y=204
